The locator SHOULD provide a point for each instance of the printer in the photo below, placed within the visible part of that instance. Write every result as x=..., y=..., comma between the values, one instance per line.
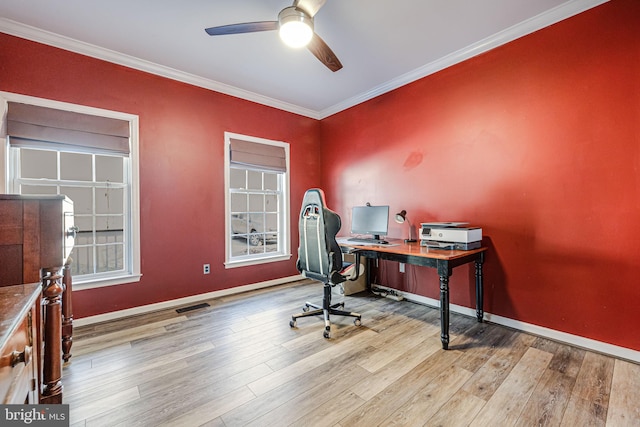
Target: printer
x=450, y=235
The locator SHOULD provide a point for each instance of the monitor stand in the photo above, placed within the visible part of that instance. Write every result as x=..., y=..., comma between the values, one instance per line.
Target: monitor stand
x=377, y=239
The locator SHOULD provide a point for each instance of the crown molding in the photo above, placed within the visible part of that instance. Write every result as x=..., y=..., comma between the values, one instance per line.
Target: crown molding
x=529, y=26
x=56, y=40
x=522, y=29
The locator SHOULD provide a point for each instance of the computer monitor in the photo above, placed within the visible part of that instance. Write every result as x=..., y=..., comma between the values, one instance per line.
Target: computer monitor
x=369, y=219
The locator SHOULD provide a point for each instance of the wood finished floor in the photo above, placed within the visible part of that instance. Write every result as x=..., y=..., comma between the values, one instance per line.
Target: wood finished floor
x=239, y=363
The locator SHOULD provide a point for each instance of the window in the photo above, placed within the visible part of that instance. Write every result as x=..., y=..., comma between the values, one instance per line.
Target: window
x=257, y=200
x=89, y=155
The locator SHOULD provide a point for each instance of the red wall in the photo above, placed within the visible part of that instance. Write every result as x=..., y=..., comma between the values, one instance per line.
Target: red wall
x=181, y=166
x=538, y=142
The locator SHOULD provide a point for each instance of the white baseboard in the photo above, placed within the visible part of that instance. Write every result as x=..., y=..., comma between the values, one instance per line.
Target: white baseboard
x=181, y=301
x=575, y=340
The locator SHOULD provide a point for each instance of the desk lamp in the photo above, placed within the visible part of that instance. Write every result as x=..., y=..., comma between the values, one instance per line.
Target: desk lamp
x=401, y=217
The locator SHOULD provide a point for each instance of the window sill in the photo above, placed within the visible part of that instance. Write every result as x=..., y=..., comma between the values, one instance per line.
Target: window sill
x=100, y=283
x=266, y=260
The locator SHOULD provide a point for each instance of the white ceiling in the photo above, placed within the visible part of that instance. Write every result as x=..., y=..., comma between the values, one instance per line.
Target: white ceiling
x=381, y=44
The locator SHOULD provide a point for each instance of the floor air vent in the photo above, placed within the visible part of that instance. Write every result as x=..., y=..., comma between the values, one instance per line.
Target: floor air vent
x=192, y=307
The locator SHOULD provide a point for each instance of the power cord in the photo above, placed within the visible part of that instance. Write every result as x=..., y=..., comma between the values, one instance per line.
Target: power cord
x=387, y=293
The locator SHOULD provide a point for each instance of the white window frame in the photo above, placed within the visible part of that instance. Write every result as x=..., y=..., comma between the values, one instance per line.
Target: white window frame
x=285, y=240
x=133, y=274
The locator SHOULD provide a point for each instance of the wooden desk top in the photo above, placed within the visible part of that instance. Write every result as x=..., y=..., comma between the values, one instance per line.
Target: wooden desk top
x=398, y=246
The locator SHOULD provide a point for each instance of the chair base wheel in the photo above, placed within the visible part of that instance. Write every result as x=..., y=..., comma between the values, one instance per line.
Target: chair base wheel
x=326, y=309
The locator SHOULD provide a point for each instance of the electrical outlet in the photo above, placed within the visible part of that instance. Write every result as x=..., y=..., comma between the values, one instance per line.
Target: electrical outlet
x=402, y=267
x=206, y=269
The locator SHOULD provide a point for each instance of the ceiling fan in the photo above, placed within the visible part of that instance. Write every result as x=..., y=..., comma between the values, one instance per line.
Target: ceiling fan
x=295, y=25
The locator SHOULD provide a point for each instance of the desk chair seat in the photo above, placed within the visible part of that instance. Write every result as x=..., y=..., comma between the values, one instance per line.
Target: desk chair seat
x=320, y=258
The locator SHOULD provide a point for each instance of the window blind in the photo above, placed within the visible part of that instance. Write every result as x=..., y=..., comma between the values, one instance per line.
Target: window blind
x=253, y=154
x=35, y=126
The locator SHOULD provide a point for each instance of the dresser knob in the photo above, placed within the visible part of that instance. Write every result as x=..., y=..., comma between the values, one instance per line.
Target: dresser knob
x=72, y=231
x=21, y=357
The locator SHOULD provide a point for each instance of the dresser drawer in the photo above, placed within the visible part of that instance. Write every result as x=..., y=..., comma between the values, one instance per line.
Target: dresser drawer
x=18, y=363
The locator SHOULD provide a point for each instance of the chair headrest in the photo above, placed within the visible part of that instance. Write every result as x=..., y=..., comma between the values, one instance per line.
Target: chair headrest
x=314, y=196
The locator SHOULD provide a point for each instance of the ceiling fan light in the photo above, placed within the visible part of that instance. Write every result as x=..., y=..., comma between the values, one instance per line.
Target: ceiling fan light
x=296, y=34
x=296, y=27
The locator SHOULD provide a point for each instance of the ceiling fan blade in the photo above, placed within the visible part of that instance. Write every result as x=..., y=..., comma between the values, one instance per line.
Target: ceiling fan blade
x=247, y=27
x=310, y=7
x=321, y=50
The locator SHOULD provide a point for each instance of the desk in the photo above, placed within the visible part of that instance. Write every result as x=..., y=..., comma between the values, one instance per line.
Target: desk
x=442, y=260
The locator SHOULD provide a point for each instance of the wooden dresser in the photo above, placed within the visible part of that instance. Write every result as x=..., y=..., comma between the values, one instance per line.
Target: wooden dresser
x=19, y=352
x=36, y=238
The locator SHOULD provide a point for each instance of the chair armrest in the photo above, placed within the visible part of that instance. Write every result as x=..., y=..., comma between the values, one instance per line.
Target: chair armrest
x=353, y=274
